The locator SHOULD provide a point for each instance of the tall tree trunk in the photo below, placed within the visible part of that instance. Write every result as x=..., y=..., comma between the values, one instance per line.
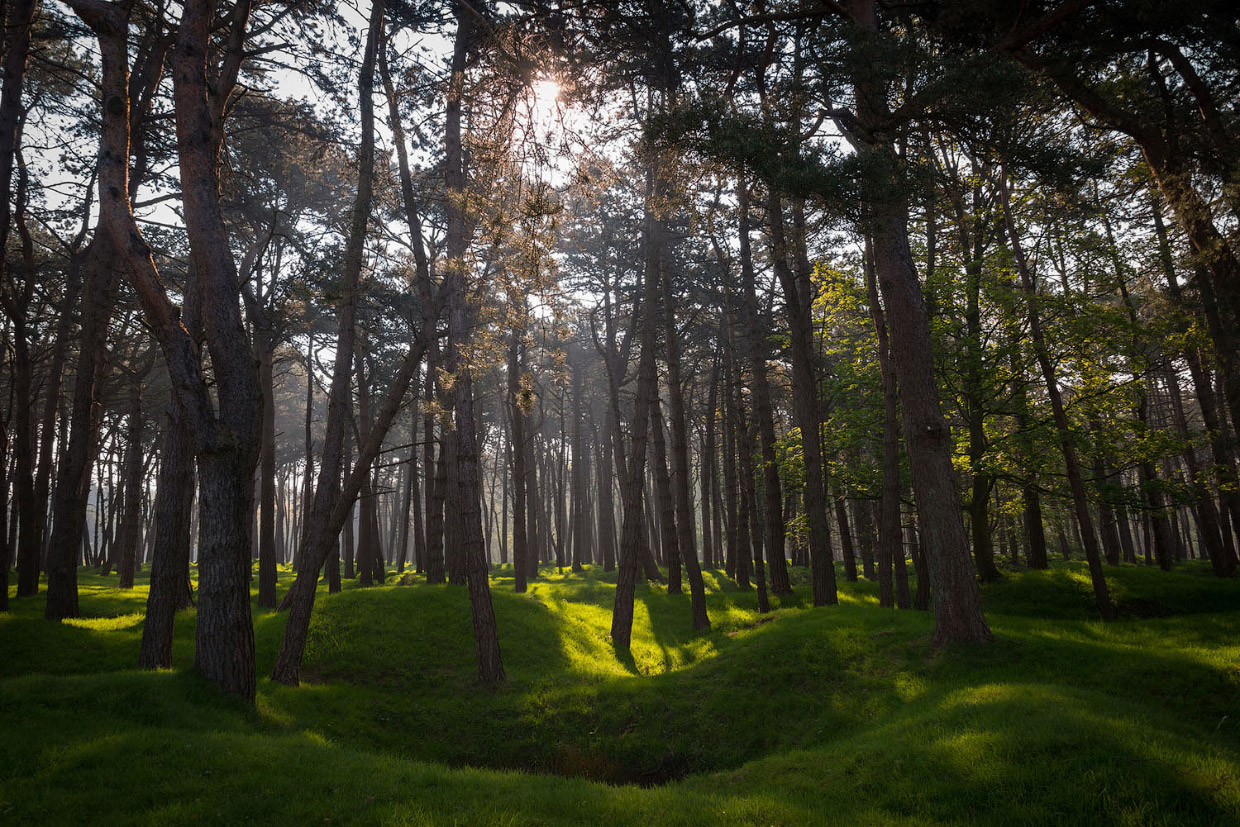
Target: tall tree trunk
x=17, y=24
x=798, y=301
x=846, y=543
x=755, y=354
x=580, y=472
x=224, y=642
x=1031, y=500
x=972, y=244
x=748, y=440
x=680, y=477
x=225, y=442
x=921, y=600
x=74, y=468
x=1106, y=514
x=733, y=524
x=606, y=506
x=28, y=568
x=436, y=475
x=1224, y=467
x=1101, y=592
x=409, y=495
x=367, y=538
x=890, y=547
x=1152, y=491
x=170, y=583
x=957, y=600
x=460, y=334
x=453, y=528
x=533, y=537
x=710, y=542
x=267, y=472
x=518, y=403
x=415, y=492
x=669, y=538
x=634, y=470
x=6, y=548
x=130, y=532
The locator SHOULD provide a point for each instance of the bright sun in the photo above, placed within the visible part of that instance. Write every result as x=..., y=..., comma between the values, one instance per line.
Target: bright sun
x=544, y=94
x=546, y=91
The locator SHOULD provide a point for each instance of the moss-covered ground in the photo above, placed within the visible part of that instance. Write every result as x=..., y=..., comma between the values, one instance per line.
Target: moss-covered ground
x=839, y=715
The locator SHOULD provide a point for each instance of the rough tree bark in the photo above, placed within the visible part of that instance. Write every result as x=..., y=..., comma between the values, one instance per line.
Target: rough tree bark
x=927, y=439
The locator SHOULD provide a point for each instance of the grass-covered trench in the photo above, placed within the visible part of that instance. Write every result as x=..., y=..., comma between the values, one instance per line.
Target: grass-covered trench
x=805, y=716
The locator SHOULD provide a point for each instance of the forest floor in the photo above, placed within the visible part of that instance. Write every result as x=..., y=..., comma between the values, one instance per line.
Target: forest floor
x=839, y=715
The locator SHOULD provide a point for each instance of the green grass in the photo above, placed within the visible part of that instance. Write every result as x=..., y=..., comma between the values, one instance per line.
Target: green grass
x=805, y=716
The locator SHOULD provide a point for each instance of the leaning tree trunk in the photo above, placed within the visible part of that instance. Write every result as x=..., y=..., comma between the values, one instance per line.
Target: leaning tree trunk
x=321, y=529
x=1101, y=592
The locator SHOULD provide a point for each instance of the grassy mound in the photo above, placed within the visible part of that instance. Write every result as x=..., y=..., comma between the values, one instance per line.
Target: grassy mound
x=840, y=715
